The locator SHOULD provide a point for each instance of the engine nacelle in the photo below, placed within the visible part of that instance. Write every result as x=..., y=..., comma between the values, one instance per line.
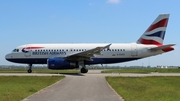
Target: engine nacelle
x=59, y=63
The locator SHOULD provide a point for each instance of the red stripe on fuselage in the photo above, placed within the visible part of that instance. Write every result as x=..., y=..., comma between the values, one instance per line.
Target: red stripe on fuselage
x=33, y=47
x=161, y=23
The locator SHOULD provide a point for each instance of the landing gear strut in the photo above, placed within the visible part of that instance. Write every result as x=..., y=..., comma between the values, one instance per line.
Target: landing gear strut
x=30, y=68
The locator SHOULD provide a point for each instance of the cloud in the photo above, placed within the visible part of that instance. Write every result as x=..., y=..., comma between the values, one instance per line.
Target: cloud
x=113, y=1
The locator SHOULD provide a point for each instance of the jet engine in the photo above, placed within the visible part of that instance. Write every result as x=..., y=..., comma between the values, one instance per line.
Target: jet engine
x=60, y=63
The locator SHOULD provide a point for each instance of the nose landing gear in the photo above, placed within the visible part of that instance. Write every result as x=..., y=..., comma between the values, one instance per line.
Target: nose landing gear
x=30, y=68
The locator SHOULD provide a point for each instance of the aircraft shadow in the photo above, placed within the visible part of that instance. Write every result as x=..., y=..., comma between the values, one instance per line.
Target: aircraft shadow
x=73, y=74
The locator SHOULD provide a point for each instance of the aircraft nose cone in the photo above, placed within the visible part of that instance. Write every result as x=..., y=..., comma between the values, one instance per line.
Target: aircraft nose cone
x=8, y=56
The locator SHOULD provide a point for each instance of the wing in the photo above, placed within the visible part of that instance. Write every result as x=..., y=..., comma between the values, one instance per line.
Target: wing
x=86, y=55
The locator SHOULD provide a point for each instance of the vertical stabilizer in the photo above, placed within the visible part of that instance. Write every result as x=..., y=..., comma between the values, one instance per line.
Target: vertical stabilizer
x=155, y=34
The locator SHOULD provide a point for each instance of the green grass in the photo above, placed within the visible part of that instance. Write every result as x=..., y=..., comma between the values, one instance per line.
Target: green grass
x=146, y=88
x=16, y=88
x=146, y=70
x=38, y=71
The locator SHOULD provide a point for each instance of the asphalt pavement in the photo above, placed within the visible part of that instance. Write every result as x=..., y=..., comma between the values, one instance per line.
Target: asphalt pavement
x=77, y=87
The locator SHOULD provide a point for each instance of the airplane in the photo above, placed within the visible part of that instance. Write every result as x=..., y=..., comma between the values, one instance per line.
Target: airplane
x=71, y=56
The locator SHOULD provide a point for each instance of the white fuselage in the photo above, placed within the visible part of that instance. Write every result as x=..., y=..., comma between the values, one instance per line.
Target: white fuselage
x=39, y=53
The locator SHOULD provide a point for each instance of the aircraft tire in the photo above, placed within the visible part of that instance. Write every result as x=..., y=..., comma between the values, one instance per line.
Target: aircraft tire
x=84, y=70
x=29, y=71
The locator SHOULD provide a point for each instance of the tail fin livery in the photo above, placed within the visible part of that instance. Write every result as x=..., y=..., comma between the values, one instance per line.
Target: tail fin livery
x=155, y=34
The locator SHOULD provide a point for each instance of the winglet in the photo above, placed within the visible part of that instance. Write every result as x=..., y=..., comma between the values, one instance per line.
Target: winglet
x=107, y=46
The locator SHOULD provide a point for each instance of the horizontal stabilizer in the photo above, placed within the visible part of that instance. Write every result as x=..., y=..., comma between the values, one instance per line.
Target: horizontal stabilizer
x=162, y=47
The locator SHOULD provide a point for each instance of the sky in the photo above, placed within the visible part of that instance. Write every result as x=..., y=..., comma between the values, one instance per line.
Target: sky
x=87, y=21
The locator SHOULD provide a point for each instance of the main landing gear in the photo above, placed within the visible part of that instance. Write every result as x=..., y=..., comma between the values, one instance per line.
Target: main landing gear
x=84, y=70
x=30, y=68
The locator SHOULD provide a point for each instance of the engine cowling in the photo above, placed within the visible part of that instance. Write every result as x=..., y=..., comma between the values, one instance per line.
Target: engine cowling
x=59, y=63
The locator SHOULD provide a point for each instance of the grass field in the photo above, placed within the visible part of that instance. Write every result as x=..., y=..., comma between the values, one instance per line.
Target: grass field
x=16, y=88
x=141, y=70
x=146, y=88
x=146, y=70
x=38, y=71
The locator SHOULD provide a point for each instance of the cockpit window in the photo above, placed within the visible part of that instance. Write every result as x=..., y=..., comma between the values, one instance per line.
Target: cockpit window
x=16, y=50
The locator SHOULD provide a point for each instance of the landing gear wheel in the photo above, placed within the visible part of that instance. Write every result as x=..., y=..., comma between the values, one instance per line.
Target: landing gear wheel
x=84, y=70
x=29, y=71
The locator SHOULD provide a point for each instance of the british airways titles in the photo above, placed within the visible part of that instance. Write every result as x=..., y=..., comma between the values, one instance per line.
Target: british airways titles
x=48, y=53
